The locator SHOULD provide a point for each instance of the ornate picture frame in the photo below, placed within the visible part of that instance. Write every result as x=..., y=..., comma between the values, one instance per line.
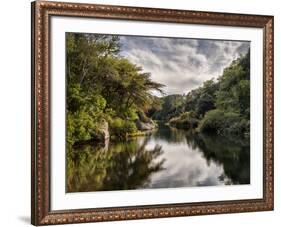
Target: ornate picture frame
x=42, y=12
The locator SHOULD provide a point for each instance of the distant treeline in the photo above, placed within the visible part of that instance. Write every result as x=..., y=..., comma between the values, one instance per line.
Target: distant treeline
x=220, y=106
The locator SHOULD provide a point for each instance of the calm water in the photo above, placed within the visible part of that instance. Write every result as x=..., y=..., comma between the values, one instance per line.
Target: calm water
x=167, y=158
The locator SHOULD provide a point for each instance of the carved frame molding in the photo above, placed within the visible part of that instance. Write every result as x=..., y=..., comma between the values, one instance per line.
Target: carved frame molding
x=41, y=13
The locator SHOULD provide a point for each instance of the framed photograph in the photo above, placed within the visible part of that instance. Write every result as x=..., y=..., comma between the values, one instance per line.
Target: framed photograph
x=149, y=113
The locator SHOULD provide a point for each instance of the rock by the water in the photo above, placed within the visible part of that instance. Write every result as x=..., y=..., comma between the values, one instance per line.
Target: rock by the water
x=103, y=132
x=104, y=129
x=143, y=126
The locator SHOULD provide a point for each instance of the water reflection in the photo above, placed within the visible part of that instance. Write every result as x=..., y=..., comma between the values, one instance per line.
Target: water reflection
x=167, y=158
x=235, y=157
x=121, y=166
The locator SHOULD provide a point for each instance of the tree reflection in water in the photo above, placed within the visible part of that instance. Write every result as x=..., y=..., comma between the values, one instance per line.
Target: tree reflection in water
x=184, y=159
x=233, y=155
x=121, y=166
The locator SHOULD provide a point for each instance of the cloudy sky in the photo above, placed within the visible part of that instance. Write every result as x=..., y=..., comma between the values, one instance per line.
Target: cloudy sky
x=181, y=64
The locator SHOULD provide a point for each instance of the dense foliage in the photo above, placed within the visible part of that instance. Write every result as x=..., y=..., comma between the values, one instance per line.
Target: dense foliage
x=167, y=107
x=219, y=106
x=186, y=120
x=103, y=87
x=232, y=101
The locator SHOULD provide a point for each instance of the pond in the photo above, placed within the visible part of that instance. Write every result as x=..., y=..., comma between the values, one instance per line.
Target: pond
x=167, y=158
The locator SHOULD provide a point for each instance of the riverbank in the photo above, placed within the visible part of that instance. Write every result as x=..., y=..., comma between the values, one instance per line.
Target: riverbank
x=141, y=133
x=154, y=161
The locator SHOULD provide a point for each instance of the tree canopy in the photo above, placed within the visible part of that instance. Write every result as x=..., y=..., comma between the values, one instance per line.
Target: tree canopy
x=103, y=85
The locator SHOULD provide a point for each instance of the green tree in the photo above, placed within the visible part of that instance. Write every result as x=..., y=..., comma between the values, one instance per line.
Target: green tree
x=202, y=99
x=103, y=86
x=234, y=87
x=232, y=101
x=170, y=106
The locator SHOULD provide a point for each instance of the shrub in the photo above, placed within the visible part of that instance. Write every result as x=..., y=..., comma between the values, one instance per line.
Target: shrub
x=186, y=120
x=224, y=123
x=84, y=116
x=81, y=127
x=120, y=128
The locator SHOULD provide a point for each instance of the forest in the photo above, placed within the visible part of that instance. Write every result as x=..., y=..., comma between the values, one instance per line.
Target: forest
x=109, y=97
x=220, y=107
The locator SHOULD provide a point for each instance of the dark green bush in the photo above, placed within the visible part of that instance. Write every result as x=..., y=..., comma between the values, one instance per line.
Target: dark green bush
x=186, y=120
x=224, y=123
x=84, y=121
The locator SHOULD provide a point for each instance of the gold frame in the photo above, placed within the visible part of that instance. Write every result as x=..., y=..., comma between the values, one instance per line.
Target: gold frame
x=41, y=13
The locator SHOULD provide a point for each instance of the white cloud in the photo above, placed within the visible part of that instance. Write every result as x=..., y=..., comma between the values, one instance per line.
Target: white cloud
x=181, y=64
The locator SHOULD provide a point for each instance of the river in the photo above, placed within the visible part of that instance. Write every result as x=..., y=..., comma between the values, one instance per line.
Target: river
x=167, y=158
